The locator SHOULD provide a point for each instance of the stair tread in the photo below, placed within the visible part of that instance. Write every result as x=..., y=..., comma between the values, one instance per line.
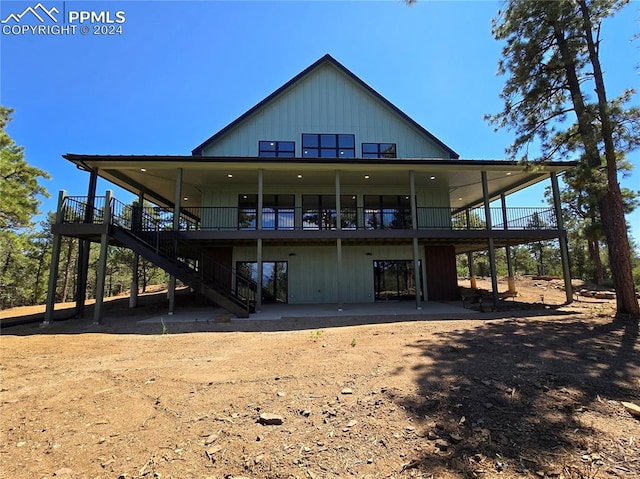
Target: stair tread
x=185, y=273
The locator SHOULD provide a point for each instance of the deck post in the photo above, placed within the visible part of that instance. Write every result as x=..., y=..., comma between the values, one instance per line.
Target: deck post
x=562, y=238
x=492, y=251
x=102, y=261
x=260, y=199
x=55, y=260
x=416, y=249
x=259, y=226
x=259, y=273
x=176, y=228
x=136, y=218
x=84, y=246
x=339, y=294
x=510, y=279
x=338, y=242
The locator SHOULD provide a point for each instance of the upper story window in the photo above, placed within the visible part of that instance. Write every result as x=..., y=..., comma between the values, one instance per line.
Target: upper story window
x=328, y=145
x=280, y=149
x=378, y=150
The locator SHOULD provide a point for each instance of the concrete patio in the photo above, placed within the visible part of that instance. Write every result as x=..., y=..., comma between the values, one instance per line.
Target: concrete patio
x=398, y=310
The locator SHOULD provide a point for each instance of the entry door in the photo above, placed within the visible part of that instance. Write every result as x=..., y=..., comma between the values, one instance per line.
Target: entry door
x=394, y=279
x=442, y=276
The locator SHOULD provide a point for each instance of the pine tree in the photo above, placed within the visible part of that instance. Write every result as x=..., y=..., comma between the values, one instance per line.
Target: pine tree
x=551, y=56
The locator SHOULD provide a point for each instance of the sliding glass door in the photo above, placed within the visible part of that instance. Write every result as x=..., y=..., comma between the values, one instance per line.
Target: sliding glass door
x=394, y=279
x=275, y=279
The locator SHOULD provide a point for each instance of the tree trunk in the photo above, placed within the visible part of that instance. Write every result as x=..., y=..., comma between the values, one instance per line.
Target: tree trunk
x=615, y=228
x=36, y=287
x=611, y=204
x=144, y=276
x=7, y=262
x=609, y=197
x=594, y=254
x=541, y=268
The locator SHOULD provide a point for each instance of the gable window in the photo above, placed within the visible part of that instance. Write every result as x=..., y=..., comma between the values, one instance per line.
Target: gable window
x=277, y=149
x=378, y=150
x=328, y=145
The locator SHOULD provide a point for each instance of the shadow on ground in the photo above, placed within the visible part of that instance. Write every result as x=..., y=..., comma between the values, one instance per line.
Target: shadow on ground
x=521, y=396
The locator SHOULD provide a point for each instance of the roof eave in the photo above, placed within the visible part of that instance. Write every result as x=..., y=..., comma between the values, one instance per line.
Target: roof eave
x=81, y=159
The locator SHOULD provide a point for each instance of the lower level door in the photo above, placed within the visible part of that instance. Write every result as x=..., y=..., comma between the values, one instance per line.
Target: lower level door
x=395, y=279
x=275, y=279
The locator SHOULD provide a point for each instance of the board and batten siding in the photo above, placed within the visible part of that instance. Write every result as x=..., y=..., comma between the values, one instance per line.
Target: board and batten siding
x=325, y=101
x=312, y=270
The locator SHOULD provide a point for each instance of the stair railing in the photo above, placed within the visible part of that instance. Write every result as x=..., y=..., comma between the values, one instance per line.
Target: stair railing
x=151, y=225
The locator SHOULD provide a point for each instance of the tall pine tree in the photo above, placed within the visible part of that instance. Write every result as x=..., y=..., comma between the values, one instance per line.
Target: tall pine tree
x=551, y=57
x=19, y=187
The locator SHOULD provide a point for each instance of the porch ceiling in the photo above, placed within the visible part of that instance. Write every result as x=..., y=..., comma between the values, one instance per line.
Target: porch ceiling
x=461, y=178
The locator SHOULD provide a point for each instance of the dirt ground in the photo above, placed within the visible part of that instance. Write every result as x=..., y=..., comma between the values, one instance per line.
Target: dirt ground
x=534, y=390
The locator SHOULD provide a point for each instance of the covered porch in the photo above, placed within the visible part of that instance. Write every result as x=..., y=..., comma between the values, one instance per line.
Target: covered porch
x=439, y=202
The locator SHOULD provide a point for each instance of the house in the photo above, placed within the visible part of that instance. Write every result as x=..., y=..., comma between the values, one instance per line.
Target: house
x=324, y=192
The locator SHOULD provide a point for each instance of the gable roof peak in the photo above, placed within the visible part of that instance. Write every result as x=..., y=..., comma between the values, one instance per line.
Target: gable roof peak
x=326, y=58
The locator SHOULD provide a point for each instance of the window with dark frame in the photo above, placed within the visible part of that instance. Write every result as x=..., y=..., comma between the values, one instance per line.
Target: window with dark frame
x=277, y=212
x=276, y=280
x=378, y=150
x=319, y=212
x=277, y=149
x=387, y=212
x=328, y=145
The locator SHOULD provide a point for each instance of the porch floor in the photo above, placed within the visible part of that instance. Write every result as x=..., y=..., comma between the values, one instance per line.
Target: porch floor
x=274, y=312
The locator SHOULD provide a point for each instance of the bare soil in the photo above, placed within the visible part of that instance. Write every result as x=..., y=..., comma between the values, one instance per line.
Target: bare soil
x=533, y=390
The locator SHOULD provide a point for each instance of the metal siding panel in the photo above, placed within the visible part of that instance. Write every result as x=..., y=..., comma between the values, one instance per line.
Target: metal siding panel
x=330, y=102
x=441, y=273
x=318, y=287
x=312, y=271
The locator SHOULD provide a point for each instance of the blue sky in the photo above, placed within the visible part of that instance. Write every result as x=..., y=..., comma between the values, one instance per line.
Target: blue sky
x=182, y=70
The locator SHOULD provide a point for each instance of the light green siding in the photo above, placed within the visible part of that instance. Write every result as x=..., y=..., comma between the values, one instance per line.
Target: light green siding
x=216, y=196
x=313, y=270
x=224, y=213
x=439, y=214
x=326, y=101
